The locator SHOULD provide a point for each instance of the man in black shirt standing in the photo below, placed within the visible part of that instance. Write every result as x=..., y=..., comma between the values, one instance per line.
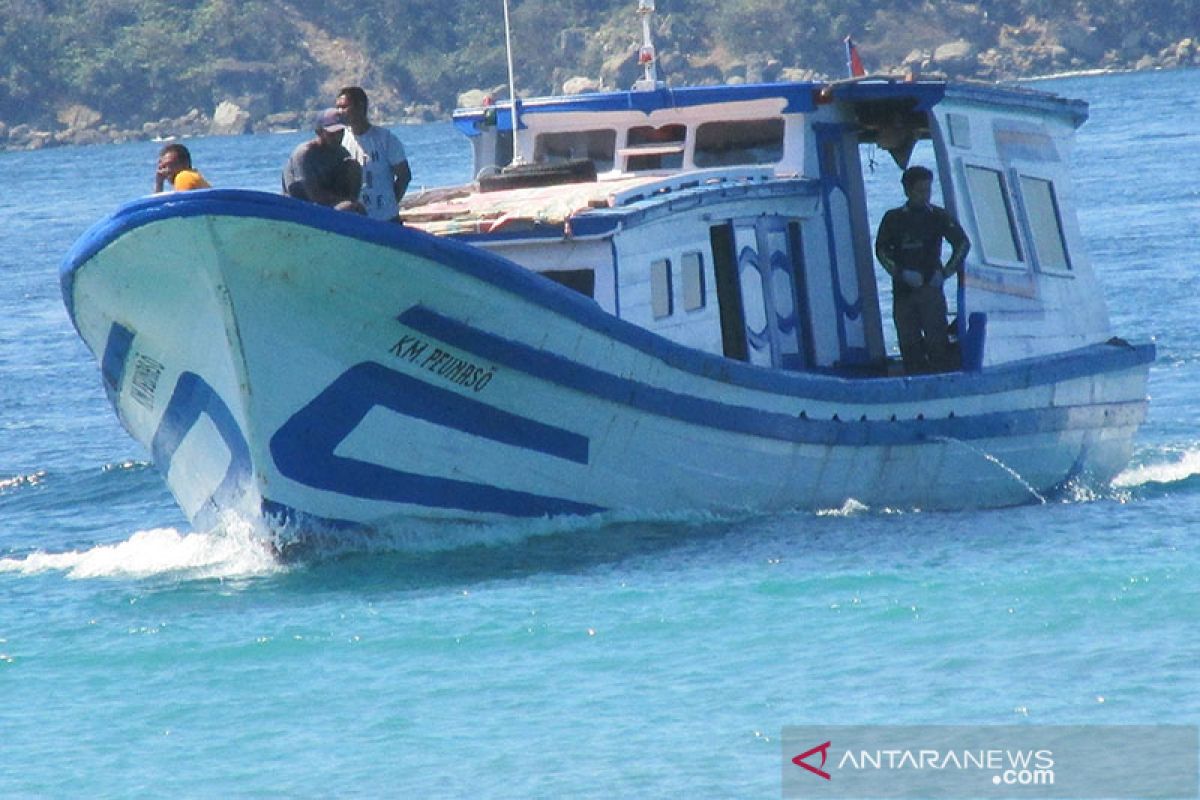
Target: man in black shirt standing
x=909, y=245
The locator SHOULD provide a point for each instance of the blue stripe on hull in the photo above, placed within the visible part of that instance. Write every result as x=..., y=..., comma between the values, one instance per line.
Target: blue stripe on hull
x=192, y=398
x=116, y=353
x=303, y=447
x=740, y=419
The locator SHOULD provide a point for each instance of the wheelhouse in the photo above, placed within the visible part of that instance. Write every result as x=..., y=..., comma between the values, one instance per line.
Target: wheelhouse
x=740, y=219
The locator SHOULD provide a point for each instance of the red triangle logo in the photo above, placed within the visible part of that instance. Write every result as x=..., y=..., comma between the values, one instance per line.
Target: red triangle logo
x=823, y=749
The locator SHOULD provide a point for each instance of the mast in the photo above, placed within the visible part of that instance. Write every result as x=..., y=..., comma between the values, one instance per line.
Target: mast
x=646, y=55
x=518, y=158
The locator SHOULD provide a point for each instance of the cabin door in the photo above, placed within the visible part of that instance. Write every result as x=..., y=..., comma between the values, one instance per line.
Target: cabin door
x=764, y=255
x=850, y=280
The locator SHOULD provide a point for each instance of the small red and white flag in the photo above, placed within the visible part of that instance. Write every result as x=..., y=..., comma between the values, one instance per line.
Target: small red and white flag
x=853, y=63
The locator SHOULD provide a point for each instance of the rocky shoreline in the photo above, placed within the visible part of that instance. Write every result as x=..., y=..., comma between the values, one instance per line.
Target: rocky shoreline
x=80, y=125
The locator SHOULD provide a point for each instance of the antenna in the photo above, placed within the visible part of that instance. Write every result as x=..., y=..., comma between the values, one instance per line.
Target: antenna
x=518, y=158
x=646, y=55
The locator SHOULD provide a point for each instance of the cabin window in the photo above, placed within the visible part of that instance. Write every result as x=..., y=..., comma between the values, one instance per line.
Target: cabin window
x=1045, y=223
x=649, y=147
x=597, y=146
x=661, y=301
x=960, y=130
x=723, y=144
x=993, y=215
x=692, y=269
x=581, y=280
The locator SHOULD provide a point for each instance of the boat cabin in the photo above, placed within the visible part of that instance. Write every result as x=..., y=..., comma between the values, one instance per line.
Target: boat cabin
x=739, y=220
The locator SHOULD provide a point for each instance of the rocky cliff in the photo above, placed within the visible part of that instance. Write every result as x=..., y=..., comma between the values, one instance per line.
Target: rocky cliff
x=267, y=64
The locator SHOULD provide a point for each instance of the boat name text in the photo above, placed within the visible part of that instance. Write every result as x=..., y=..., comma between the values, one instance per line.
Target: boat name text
x=443, y=364
x=146, y=372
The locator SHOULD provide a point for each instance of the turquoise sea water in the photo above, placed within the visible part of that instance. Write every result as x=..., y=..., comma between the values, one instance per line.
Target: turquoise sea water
x=142, y=658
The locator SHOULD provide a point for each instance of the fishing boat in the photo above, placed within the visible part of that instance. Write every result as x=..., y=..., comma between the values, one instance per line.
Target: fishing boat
x=649, y=301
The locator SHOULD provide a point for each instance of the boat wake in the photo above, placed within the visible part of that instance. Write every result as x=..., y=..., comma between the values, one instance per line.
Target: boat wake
x=1164, y=469
x=232, y=551
x=235, y=550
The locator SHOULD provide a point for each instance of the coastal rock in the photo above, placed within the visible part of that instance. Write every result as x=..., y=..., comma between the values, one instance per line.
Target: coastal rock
x=229, y=119
x=284, y=120
x=82, y=136
x=1194, y=50
x=797, y=74
x=78, y=117
x=26, y=137
x=580, y=85
x=1181, y=54
x=992, y=64
x=193, y=123
x=955, y=56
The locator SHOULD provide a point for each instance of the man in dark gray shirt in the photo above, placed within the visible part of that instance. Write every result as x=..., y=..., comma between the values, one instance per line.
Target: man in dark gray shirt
x=909, y=245
x=321, y=170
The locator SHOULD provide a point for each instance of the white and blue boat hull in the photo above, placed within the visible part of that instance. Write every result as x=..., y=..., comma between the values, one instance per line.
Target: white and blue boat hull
x=310, y=368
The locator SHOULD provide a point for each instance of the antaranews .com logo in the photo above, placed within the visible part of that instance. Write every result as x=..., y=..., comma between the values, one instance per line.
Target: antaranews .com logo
x=991, y=761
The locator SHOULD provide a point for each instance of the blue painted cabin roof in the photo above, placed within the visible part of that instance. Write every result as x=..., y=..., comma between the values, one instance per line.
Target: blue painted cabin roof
x=800, y=97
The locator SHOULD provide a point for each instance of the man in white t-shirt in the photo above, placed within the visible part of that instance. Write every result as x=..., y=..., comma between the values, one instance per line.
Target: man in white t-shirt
x=384, y=163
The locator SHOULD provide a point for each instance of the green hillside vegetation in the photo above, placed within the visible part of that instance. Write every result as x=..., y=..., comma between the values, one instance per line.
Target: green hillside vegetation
x=129, y=61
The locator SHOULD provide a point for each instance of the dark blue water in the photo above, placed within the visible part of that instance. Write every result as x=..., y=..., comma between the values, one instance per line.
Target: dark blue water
x=141, y=658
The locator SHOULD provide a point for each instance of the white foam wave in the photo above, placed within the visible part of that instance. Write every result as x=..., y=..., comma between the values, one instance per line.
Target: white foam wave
x=1181, y=468
x=18, y=481
x=224, y=553
x=850, y=508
